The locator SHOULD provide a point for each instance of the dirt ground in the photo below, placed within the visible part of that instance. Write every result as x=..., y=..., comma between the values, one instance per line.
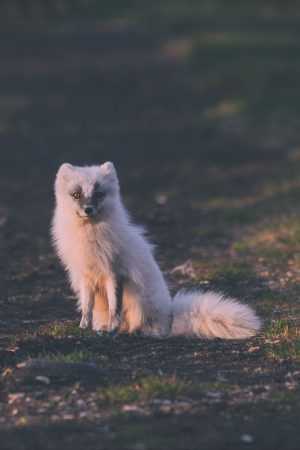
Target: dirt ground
x=203, y=129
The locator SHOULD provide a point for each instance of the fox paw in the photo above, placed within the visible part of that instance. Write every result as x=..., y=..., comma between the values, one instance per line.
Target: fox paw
x=113, y=324
x=85, y=322
x=105, y=333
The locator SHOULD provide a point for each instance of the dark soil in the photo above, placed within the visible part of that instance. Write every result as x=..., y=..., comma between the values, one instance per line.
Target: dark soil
x=215, y=183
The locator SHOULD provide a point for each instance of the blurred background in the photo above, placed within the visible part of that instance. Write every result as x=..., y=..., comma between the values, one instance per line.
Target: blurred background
x=196, y=102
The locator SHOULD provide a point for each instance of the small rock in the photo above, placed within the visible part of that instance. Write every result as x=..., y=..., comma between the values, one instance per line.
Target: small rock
x=43, y=379
x=130, y=408
x=185, y=269
x=253, y=349
x=68, y=416
x=14, y=412
x=12, y=398
x=214, y=394
x=247, y=438
x=133, y=408
x=161, y=199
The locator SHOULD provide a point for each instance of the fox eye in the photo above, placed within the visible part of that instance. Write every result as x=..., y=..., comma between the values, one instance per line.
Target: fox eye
x=76, y=195
x=99, y=194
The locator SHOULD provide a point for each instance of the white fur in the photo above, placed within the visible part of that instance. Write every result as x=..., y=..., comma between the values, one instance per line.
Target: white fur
x=212, y=315
x=97, y=252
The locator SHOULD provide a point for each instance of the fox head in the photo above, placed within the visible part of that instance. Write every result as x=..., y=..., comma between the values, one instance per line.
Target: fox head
x=87, y=192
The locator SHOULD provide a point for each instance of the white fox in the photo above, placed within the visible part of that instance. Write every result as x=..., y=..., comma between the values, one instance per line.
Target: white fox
x=102, y=250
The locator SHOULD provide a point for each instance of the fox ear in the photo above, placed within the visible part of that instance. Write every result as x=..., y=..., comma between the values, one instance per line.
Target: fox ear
x=108, y=168
x=109, y=173
x=65, y=171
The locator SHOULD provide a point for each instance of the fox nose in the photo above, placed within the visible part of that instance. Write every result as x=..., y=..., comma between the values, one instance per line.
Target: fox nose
x=89, y=210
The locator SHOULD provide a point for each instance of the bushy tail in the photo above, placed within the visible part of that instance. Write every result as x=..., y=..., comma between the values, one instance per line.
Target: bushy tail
x=211, y=315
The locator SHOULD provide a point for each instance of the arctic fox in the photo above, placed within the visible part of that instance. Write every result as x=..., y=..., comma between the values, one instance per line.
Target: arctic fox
x=107, y=256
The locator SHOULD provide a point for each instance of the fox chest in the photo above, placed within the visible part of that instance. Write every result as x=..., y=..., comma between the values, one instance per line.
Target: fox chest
x=87, y=257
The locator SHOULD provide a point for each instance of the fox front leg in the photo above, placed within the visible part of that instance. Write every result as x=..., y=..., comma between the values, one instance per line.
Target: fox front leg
x=86, y=306
x=114, y=307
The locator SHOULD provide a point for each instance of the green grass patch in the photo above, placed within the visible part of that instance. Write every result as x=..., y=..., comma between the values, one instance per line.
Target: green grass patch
x=287, y=350
x=281, y=328
x=63, y=330
x=145, y=389
x=275, y=243
x=150, y=388
x=269, y=299
x=234, y=273
x=242, y=215
x=77, y=356
x=284, y=340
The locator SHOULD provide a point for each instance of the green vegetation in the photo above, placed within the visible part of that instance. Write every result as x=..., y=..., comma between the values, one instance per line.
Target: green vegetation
x=286, y=350
x=76, y=356
x=163, y=388
x=63, y=330
x=145, y=389
x=283, y=339
x=234, y=273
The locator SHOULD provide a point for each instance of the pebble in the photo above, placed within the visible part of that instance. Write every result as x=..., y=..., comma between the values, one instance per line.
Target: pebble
x=161, y=199
x=253, y=349
x=247, y=438
x=12, y=398
x=43, y=379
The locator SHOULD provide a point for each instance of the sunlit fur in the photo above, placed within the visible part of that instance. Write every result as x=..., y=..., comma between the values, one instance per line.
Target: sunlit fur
x=98, y=251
